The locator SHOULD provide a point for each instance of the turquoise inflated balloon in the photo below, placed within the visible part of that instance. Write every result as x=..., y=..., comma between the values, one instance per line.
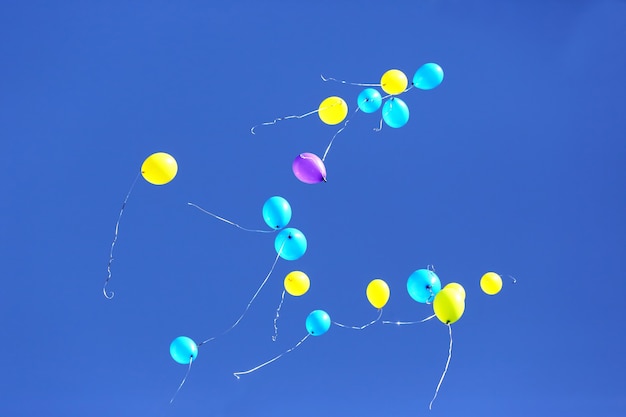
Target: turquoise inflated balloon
x=369, y=100
x=428, y=76
x=423, y=285
x=183, y=350
x=290, y=243
x=317, y=323
x=395, y=112
x=276, y=212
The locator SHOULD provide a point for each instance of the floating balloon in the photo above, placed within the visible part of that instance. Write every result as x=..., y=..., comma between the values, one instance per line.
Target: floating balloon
x=395, y=112
x=428, y=76
x=309, y=168
x=377, y=293
x=290, y=244
x=449, y=305
x=393, y=82
x=423, y=285
x=297, y=283
x=333, y=110
x=159, y=168
x=183, y=350
x=456, y=287
x=491, y=283
x=317, y=323
x=369, y=100
x=276, y=212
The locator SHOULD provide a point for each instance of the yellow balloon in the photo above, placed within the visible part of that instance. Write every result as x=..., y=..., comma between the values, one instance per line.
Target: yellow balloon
x=491, y=283
x=449, y=305
x=159, y=168
x=377, y=293
x=333, y=110
x=457, y=287
x=297, y=283
x=393, y=82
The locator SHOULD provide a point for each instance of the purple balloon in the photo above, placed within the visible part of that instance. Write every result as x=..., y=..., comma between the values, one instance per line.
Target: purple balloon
x=309, y=168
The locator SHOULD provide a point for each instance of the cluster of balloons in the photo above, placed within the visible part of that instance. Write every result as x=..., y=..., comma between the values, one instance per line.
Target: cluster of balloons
x=423, y=285
x=309, y=168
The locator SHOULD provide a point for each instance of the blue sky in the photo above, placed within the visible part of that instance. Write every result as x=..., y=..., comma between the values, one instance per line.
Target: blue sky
x=515, y=164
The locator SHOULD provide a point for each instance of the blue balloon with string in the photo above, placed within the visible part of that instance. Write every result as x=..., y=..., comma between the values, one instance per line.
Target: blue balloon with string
x=276, y=212
x=369, y=100
x=423, y=285
x=183, y=350
x=395, y=112
x=428, y=76
x=290, y=244
x=317, y=322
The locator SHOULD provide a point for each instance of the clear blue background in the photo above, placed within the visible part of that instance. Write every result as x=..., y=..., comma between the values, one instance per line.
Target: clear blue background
x=516, y=164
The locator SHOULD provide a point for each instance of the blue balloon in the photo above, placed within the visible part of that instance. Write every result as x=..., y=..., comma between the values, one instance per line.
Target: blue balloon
x=292, y=242
x=183, y=350
x=423, y=285
x=428, y=76
x=317, y=322
x=276, y=212
x=369, y=100
x=395, y=112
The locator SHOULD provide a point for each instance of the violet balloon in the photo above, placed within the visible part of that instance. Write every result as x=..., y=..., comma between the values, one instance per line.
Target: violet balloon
x=309, y=168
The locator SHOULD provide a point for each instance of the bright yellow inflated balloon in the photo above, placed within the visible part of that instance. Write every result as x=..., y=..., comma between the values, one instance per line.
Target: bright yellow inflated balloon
x=491, y=283
x=377, y=293
x=448, y=305
x=333, y=110
x=297, y=283
x=393, y=82
x=159, y=168
x=457, y=287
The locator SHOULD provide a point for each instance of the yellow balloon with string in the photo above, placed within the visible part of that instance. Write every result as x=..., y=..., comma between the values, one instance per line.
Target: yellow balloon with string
x=159, y=168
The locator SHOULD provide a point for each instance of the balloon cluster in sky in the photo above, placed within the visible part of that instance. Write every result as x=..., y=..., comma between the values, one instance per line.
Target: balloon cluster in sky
x=423, y=285
x=308, y=167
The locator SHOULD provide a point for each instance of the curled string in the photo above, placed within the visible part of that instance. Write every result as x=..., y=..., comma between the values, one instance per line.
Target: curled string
x=238, y=374
x=117, y=228
x=380, y=126
x=336, y=133
x=278, y=119
x=282, y=299
x=228, y=221
x=430, y=406
x=380, y=314
x=513, y=278
x=349, y=83
x=403, y=323
x=251, y=300
x=184, y=379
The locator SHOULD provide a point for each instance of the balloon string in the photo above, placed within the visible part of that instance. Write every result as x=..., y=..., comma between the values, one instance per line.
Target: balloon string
x=278, y=119
x=117, y=228
x=380, y=314
x=380, y=126
x=349, y=83
x=430, y=406
x=402, y=323
x=336, y=133
x=228, y=221
x=252, y=299
x=513, y=278
x=238, y=374
x=184, y=379
x=282, y=299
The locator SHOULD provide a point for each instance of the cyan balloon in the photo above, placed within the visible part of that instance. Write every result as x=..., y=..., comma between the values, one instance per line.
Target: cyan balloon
x=290, y=243
x=276, y=212
x=428, y=76
x=423, y=285
x=183, y=350
x=395, y=112
x=369, y=100
x=317, y=323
